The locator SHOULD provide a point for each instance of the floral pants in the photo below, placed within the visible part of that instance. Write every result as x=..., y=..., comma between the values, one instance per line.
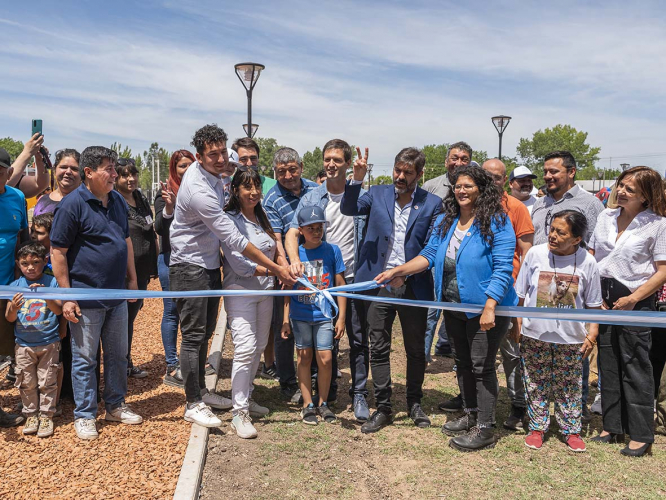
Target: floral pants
x=552, y=372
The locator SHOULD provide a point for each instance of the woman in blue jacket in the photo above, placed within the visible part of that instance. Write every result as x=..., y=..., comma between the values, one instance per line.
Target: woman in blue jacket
x=471, y=249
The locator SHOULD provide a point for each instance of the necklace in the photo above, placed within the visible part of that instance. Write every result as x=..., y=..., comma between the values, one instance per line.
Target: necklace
x=552, y=257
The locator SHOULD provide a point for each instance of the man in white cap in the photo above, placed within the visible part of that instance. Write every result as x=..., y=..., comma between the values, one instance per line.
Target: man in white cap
x=521, y=183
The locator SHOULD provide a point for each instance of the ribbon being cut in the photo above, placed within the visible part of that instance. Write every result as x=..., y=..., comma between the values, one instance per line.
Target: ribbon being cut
x=326, y=303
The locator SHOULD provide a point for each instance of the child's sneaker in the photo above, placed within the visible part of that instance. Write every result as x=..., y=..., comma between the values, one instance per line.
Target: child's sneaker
x=309, y=415
x=45, y=427
x=242, y=424
x=31, y=425
x=575, y=443
x=534, y=440
x=326, y=413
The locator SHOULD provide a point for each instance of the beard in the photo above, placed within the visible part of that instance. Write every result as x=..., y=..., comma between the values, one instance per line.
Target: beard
x=404, y=188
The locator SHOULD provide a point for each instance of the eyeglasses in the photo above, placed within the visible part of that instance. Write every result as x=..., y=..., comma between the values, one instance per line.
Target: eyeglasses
x=467, y=187
x=123, y=162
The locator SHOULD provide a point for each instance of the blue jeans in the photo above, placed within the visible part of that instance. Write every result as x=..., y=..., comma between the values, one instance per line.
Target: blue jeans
x=109, y=326
x=169, y=325
x=443, y=342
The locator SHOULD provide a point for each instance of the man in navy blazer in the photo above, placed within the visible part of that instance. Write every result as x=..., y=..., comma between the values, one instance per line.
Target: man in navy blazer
x=399, y=223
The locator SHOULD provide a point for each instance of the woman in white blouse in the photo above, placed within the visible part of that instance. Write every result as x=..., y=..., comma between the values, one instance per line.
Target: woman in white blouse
x=629, y=243
x=249, y=316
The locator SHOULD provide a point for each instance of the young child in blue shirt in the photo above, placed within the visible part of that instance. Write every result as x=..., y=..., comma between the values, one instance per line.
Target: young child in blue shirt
x=324, y=267
x=37, y=341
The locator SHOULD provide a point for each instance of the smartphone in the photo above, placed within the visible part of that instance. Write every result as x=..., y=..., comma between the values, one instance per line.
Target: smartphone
x=37, y=127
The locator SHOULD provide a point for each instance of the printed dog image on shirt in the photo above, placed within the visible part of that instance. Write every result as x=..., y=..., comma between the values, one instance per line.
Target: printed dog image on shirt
x=314, y=270
x=557, y=290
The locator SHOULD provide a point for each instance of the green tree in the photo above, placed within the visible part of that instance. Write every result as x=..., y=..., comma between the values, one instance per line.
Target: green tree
x=161, y=158
x=382, y=180
x=267, y=146
x=560, y=137
x=313, y=162
x=13, y=147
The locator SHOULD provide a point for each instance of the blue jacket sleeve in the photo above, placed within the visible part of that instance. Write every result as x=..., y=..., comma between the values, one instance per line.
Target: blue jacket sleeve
x=352, y=204
x=435, y=217
x=430, y=250
x=502, y=250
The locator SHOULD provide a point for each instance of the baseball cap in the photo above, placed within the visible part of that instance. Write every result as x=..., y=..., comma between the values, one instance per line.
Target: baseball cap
x=233, y=157
x=5, y=160
x=311, y=215
x=520, y=172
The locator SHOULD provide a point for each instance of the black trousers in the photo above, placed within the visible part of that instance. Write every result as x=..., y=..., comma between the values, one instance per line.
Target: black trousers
x=198, y=318
x=658, y=355
x=380, y=317
x=474, y=352
x=133, y=309
x=627, y=384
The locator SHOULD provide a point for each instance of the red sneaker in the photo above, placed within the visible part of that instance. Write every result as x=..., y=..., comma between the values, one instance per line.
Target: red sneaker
x=534, y=440
x=575, y=443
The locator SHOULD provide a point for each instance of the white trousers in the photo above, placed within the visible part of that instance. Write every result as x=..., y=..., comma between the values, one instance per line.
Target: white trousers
x=250, y=321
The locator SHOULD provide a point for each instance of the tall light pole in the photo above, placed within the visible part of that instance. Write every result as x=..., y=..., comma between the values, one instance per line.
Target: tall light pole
x=501, y=122
x=624, y=166
x=248, y=73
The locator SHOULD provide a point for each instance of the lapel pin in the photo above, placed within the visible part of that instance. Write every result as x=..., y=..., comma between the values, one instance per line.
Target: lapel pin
x=416, y=207
x=469, y=234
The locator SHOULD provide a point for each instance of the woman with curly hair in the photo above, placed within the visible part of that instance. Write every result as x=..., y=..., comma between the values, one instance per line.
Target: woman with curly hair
x=471, y=249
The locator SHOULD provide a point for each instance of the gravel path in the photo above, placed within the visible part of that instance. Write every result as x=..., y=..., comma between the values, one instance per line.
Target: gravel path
x=126, y=461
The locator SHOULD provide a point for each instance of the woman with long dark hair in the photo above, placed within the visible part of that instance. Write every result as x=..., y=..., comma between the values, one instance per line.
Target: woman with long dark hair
x=630, y=247
x=471, y=249
x=144, y=242
x=249, y=317
x=165, y=203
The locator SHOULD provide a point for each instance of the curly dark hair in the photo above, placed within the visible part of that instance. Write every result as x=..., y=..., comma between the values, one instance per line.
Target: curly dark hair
x=248, y=177
x=207, y=136
x=488, y=206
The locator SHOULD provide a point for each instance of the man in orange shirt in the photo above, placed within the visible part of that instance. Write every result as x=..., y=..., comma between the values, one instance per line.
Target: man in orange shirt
x=522, y=226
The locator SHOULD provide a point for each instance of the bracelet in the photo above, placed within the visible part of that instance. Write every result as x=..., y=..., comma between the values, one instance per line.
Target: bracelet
x=593, y=342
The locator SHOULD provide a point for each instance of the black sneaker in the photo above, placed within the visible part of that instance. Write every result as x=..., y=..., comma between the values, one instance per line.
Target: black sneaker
x=326, y=413
x=419, y=417
x=10, y=419
x=476, y=439
x=515, y=420
x=309, y=415
x=174, y=377
x=376, y=421
x=460, y=425
x=289, y=391
x=452, y=405
x=11, y=374
x=446, y=353
x=269, y=372
x=210, y=370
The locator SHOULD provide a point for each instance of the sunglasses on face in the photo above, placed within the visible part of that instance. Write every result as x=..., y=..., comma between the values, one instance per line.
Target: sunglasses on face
x=123, y=162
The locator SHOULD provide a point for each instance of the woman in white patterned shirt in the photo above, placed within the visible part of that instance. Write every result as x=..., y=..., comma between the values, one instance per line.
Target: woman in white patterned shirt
x=629, y=243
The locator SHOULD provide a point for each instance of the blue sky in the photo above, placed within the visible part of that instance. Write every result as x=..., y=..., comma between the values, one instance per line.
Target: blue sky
x=379, y=74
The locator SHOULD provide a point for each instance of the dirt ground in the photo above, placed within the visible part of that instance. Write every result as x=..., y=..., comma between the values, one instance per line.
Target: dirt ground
x=292, y=460
x=126, y=461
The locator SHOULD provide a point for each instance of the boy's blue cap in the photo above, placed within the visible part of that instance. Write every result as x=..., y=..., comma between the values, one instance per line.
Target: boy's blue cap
x=311, y=215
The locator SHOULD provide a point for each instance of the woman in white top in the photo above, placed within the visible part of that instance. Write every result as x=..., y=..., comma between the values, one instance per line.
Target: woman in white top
x=249, y=316
x=558, y=274
x=629, y=243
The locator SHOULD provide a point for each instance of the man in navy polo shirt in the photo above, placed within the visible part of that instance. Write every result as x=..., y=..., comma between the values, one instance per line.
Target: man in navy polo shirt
x=91, y=248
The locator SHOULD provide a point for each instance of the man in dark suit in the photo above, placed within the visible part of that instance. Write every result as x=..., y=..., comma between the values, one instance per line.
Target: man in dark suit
x=400, y=219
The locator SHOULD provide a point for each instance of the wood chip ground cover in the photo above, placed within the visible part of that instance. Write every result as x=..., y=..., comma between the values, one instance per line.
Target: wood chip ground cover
x=126, y=461
x=291, y=460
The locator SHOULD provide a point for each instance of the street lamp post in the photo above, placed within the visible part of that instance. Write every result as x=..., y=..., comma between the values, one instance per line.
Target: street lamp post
x=624, y=166
x=501, y=122
x=248, y=73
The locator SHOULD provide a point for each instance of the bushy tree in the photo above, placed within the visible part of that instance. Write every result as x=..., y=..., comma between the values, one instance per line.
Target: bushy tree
x=12, y=146
x=268, y=146
x=532, y=151
x=313, y=162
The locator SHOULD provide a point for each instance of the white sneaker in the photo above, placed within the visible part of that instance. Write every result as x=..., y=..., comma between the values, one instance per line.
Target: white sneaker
x=216, y=401
x=123, y=414
x=256, y=410
x=202, y=415
x=242, y=424
x=596, y=406
x=85, y=428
